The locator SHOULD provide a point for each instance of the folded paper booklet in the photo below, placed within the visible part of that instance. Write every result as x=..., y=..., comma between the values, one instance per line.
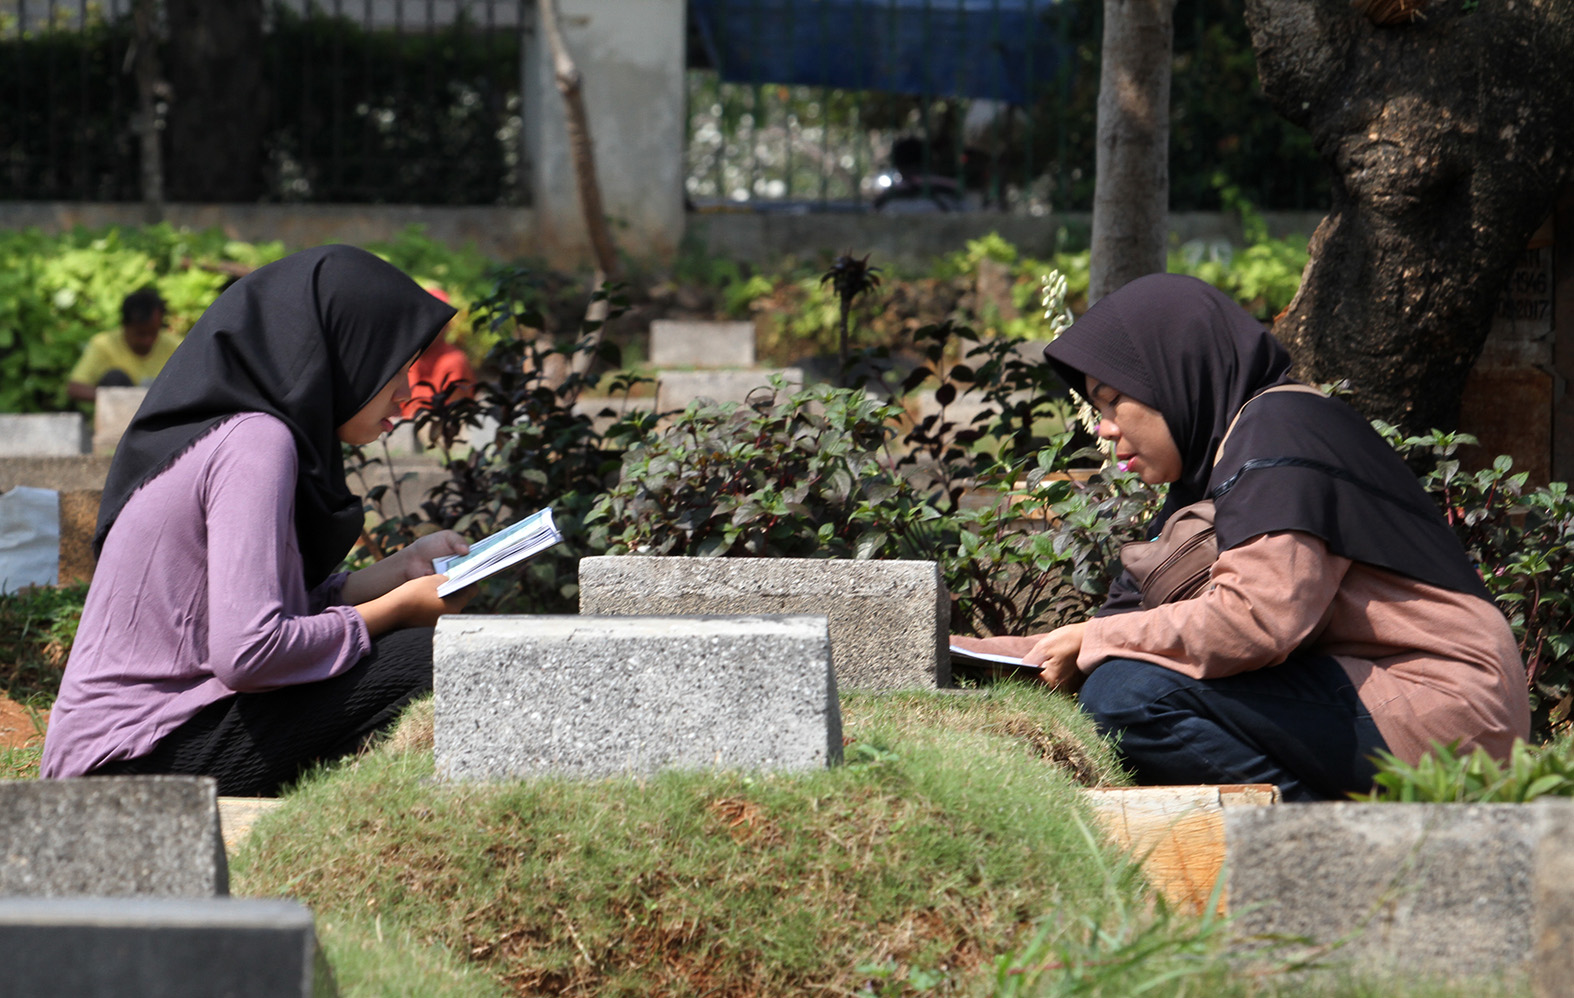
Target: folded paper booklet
x=988, y=660
x=530, y=536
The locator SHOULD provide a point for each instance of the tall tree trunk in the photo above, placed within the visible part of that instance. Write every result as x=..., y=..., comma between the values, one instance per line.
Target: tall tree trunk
x=145, y=68
x=570, y=85
x=1131, y=184
x=218, y=108
x=1448, y=137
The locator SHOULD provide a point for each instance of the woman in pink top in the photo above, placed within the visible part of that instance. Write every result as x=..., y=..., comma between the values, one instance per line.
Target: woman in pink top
x=1341, y=617
x=219, y=636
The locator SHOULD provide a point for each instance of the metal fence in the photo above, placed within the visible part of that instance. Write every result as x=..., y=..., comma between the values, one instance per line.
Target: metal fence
x=414, y=101
x=901, y=104
x=793, y=105
x=945, y=104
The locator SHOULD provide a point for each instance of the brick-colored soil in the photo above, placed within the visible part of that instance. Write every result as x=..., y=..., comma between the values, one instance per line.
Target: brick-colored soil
x=17, y=729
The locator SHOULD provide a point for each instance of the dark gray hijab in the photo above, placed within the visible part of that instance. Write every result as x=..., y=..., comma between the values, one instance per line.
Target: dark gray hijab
x=1295, y=461
x=310, y=339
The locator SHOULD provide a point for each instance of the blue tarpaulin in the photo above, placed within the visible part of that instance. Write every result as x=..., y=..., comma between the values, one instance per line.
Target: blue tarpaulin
x=999, y=49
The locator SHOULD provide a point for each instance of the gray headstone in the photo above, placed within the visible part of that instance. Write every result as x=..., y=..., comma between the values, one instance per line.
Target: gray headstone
x=606, y=696
x=112, y=412
x=1406, y=888
x=889, y=619
x=676, y=389
x=1552, y=925
x=160, y=948
x=111, y=836
x=43, y=434
x=698, y=343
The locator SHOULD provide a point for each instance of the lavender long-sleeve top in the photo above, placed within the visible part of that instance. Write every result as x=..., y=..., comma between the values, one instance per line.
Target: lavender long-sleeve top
x=198, y=595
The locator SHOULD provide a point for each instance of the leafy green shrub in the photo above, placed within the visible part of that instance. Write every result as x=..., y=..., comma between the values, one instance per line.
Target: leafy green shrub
x=1523, y=542
x=824, y=473
x=800, y=477
x=58, y=291
x=1445, y=775
x=546, y=451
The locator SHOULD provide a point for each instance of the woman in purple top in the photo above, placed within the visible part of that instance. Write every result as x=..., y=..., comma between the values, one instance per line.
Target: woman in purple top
x=219, y=637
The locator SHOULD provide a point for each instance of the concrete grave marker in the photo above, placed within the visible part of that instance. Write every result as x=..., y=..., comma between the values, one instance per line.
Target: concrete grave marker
x=1445, y=889
x=111, y=836
x=676, y=389
x=697, y=343
x=609, y=696
x=160, y=948
x=889, y=619
x=113, y=409
x=43, y=434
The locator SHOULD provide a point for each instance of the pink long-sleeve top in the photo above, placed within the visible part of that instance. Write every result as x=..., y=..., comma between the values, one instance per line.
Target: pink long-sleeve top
x=198, y=595
x=1430, y=664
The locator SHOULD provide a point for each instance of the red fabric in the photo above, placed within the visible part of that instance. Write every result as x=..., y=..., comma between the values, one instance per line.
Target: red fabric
x=440, y=365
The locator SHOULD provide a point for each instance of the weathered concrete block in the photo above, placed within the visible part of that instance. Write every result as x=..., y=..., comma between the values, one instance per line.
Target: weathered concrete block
x=161, y=948
x=889, y=619
x=697, y=343
x=113, y=409
x=676, y=389
x=604, y=696
x=1552, y=924
x=1443, y=889
x=43, y=434
x=111, y=836
x=63, y=474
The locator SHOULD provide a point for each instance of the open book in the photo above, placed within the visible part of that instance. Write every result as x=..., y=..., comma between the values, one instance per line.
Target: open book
x=509, y=546
x=988, y=661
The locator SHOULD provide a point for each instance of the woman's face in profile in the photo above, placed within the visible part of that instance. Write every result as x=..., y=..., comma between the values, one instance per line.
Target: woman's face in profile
x=1140, y=436
x=379, y=415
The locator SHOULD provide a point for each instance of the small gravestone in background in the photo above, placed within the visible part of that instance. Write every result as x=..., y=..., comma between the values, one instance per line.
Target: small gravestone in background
x=160, y=948
x=697, y=343
x=43, y=434
x=111, y=836
x=889, y=620
x=113, y=409
x=676, y=389
x=609, y=696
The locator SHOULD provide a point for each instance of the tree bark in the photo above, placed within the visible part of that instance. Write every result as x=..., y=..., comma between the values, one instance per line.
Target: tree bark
x=1448, y=138
x=1131, y=186
x=570, y=85
x=217, y=112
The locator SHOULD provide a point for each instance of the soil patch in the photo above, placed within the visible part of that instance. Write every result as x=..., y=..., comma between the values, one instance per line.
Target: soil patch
x=17, y=726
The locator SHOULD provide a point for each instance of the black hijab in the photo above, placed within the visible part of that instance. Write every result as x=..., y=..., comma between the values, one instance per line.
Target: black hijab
x=1295, y=461
x=310, y=339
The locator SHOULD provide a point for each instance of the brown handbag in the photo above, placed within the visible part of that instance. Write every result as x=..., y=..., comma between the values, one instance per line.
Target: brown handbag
x=1178, y=563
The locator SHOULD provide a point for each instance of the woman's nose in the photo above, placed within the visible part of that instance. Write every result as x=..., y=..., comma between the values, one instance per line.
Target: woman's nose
x=1108, y=430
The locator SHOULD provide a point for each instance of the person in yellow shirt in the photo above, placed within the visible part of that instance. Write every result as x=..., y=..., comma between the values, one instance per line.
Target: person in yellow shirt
x=131, y=355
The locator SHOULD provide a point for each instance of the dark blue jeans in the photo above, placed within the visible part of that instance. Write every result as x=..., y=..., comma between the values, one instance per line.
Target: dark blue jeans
x=1297, y=724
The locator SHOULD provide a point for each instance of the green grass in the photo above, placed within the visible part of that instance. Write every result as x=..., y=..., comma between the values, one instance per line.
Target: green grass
x=37, y=626
x=951, y=855
x=944, y=837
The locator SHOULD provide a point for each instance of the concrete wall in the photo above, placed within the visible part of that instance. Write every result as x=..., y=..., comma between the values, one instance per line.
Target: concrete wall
x=502, y=233
x=759, y=237
x=631, y=56
x=763, y=237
